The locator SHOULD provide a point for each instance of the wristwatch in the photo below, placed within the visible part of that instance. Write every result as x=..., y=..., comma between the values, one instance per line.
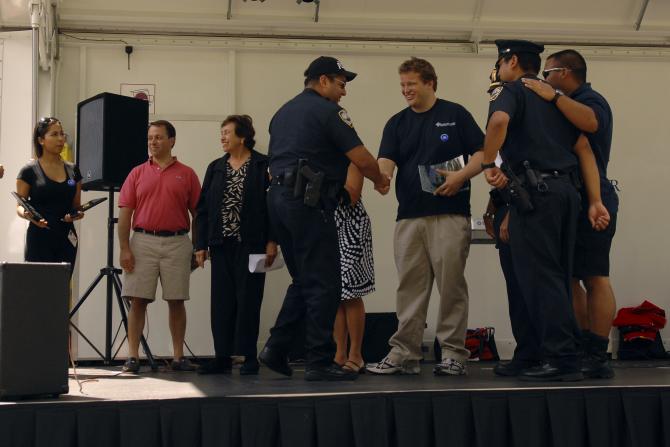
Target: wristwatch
x=557, y=94
x=488, y=165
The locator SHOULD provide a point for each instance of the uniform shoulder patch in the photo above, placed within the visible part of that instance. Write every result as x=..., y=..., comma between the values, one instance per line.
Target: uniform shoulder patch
x=344, y=116
x=495, y=93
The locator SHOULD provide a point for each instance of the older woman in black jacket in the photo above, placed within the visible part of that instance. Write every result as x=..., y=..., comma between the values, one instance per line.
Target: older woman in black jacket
x=232, y=223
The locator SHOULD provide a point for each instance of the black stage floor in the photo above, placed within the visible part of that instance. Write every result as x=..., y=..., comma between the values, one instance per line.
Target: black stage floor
x=480, y=409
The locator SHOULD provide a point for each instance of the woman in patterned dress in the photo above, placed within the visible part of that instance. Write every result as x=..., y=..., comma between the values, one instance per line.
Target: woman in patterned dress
x=354, y=232
x=232, y=223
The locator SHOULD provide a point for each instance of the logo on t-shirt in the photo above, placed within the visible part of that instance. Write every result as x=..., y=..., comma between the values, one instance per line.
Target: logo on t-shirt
x=71, y=182
x=444, y=137
x=439, y=124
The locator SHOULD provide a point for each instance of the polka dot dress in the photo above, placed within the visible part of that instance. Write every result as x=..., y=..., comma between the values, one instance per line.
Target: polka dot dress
x=354, y=232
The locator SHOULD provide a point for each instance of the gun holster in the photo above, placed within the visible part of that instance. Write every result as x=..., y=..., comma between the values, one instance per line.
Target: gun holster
x=518, y=195
x=308, y=183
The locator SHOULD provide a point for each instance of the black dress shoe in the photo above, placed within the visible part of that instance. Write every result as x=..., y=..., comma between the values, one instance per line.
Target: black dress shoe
x=274, y=361
x=217, y=366
x=249, y=367
x=548, y=373
x=513, y=368
x=332, y=372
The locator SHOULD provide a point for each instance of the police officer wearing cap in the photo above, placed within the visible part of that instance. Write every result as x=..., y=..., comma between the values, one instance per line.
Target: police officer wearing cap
x=589, y=111
x=542, y=155
x=312, y=142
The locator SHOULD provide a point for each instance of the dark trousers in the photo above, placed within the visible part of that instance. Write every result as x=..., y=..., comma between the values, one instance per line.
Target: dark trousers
x=527, y=345
x=308, y=239
x=50, y=245
x=236, y=298
x=542, y=244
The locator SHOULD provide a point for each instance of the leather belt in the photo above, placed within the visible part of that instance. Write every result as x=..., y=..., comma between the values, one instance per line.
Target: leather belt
x=553, y=174
x=161, y=233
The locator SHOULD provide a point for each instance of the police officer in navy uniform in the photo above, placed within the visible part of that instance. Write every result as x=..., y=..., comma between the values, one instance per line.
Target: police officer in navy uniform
x=543, y=154
x=589, y=111
x=527, y=352
x=312, y=142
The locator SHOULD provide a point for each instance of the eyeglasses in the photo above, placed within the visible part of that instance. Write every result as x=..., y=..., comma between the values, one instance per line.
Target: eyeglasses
x=342, y=84
x=545, y=73
x=57, y=135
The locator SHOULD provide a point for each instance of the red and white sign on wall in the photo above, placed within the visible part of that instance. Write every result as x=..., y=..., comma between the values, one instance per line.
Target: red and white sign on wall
x=146, y=92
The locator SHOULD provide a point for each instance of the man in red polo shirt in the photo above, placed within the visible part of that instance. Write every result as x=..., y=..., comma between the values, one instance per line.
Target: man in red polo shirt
x=157, y=197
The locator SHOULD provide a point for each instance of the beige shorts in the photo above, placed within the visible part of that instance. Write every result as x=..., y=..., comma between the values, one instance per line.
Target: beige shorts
x=167, y=258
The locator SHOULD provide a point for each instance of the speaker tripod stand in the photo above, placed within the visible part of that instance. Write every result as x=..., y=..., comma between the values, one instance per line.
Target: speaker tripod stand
x=113, y=287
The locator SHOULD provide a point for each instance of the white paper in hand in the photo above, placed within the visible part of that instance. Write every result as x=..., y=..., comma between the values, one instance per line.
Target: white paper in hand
x=257, y=263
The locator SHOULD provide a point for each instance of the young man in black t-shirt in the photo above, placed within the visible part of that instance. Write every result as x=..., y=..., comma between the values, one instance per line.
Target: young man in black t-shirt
x=432, y=234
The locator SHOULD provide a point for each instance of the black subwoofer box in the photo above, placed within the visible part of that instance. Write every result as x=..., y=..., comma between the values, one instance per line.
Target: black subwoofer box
x=34, y=300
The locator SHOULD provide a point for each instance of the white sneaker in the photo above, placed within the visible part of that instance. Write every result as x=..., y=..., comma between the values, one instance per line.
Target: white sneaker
x=386, y=366
x=450, y=367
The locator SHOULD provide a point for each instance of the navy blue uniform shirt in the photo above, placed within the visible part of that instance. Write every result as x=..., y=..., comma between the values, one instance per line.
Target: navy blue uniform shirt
x=537, y=131
x=311, y=127
x=600, y=140
x=411, y=139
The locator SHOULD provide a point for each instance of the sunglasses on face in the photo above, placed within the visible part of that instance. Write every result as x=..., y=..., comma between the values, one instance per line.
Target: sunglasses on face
x=545, y=73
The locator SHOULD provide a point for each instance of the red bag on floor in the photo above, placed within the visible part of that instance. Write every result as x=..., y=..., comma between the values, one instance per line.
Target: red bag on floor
x=480, y=342
x=639, y=337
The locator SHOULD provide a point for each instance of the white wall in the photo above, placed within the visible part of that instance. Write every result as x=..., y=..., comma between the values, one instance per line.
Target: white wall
x=199, y=81
x=15, y=134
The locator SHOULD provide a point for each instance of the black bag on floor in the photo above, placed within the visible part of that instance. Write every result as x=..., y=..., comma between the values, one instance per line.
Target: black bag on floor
x=640, y=348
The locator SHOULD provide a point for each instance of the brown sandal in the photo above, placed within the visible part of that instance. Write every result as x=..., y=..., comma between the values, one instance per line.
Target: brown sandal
x=352, y=366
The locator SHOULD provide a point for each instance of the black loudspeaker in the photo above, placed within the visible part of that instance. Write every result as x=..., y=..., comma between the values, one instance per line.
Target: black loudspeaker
x=33, y=329
x=111, y=139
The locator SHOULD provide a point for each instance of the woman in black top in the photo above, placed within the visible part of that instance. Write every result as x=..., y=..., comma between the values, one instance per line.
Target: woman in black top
x=232, y=222
x=53, y=188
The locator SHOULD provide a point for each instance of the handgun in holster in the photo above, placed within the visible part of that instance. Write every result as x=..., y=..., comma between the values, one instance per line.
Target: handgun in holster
x=299, y=180
x=518, y=195
x=534, y=178
x=310, y=182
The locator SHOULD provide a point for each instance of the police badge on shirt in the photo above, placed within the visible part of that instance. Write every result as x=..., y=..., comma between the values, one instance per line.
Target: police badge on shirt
x=495, y=93
x=344, y=116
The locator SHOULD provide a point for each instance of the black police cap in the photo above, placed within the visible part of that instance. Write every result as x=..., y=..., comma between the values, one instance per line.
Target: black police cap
x=518, y=46
x=326, y=65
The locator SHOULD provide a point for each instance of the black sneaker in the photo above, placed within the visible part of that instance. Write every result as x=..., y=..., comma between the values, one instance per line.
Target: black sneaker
x=217, y=366
x=183, y=364
x=597, y=368
x=595, y=362
x=132, y=366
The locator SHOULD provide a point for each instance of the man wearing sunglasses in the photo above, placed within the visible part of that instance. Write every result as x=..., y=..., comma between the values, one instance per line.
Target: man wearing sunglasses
x=542, y=151
x=565, y=72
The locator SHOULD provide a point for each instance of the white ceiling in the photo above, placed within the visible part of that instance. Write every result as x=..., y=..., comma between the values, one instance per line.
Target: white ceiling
x=565, y=21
